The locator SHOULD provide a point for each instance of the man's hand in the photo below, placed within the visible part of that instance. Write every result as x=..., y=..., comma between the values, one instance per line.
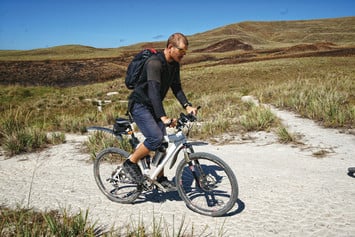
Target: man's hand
x=168, y=121
x=191, y=110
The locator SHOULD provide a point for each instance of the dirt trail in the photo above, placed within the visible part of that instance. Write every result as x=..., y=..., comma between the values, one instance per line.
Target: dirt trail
x=284, y=189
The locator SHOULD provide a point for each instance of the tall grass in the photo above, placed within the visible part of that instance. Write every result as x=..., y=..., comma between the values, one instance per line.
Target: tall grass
x=29, y=113
x=328, y=99
x=258, y=118
x=29, y=222
x=18, y=134
x=285, y=136
x=318, y=88
x=100, y=140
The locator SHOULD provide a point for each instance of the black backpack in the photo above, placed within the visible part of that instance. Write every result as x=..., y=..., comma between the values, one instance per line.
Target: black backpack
x=135, y=67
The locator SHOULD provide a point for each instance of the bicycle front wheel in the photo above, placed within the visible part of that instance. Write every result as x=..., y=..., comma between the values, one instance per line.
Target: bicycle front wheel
x=111, y=178
x=207, y=184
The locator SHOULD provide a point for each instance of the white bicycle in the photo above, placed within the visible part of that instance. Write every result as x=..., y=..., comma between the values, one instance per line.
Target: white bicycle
x=204, y=182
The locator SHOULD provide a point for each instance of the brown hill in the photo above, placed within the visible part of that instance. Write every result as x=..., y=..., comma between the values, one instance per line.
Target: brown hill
x=225, y=46
x=236, y=43
x=340, y=31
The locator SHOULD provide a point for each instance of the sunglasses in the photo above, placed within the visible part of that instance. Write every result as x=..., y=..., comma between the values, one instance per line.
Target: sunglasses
x=181, y=50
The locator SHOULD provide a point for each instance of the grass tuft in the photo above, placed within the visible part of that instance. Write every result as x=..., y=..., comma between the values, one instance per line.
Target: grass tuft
x=285, y=136
x=29, y=222
x=258, y=118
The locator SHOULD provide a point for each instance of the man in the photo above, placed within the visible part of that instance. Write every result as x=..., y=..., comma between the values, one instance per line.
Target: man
x=161, y=71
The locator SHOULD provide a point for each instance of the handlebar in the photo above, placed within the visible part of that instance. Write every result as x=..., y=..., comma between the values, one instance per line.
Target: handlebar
x=185, y=118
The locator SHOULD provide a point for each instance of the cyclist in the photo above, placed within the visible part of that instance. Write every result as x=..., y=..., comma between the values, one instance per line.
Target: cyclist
x=162, y=71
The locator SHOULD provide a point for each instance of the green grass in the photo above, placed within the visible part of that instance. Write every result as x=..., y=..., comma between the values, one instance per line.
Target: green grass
x=258, y=119
x=284, y=136
x=320, y=88
x=60, y=53
x=29, y=113
x=100, y=140
x=29, y=222
x=19, y=134
x=324, y=93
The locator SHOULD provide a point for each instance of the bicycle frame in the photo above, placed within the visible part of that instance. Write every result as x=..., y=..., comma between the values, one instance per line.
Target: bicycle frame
x=204, y=181
x=177, y=142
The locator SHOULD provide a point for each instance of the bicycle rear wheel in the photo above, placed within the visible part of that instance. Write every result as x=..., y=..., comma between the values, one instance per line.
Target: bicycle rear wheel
x=111, y=179
x=207, y=184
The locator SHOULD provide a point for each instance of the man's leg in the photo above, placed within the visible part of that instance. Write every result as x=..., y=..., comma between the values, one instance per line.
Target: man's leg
x=139, y=153
x=154, y=132
x=149, y=128
x=131, y=166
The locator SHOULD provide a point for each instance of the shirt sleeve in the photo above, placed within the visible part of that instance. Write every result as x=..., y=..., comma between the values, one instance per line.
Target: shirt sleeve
x=154, y=82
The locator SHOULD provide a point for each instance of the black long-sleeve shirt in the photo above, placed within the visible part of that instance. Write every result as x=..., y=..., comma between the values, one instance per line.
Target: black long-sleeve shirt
x=159, y=76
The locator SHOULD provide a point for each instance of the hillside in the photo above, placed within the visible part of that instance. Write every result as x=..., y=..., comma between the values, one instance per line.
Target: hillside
x=340, y=31
x=235, y=43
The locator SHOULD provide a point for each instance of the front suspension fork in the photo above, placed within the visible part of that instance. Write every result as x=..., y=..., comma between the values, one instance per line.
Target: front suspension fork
x=195, y=167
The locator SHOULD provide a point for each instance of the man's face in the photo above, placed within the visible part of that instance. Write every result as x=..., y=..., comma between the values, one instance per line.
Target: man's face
x=178, y=52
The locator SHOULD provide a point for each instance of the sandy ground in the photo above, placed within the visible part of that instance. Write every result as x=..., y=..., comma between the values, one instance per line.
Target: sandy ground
x=284, y=190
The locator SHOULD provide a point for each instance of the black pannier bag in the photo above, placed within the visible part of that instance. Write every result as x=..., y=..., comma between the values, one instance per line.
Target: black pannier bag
x=122, y=125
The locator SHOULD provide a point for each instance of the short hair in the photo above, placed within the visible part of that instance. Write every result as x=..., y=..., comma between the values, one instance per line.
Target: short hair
x=175, y=38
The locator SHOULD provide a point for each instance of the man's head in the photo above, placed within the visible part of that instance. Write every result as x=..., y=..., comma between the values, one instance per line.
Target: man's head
x=176, y=47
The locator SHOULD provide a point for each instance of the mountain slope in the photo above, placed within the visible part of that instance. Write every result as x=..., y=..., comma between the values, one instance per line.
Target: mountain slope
x=283, y=33
x=242, y=42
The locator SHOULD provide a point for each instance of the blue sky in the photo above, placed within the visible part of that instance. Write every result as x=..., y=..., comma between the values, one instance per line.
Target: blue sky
x=26, y=24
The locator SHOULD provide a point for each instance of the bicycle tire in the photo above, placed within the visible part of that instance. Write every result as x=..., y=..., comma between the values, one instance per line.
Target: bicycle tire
x=111, y=179
x=216, y=191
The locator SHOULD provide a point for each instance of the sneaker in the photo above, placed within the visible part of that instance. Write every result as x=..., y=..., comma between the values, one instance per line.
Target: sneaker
x=168, y=185
x=133, y=170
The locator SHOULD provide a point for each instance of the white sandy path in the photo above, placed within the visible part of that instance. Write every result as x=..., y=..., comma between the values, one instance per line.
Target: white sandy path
x=283, y=190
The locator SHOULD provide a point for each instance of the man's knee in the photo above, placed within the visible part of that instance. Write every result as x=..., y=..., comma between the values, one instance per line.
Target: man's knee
x=154, y=143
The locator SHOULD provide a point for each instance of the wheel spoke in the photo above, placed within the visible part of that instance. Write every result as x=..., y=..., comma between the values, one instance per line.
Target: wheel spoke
x=209, y=186
x=111, y=179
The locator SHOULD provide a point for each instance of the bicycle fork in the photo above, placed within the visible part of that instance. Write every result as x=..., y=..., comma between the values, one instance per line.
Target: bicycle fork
x=188, y=149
